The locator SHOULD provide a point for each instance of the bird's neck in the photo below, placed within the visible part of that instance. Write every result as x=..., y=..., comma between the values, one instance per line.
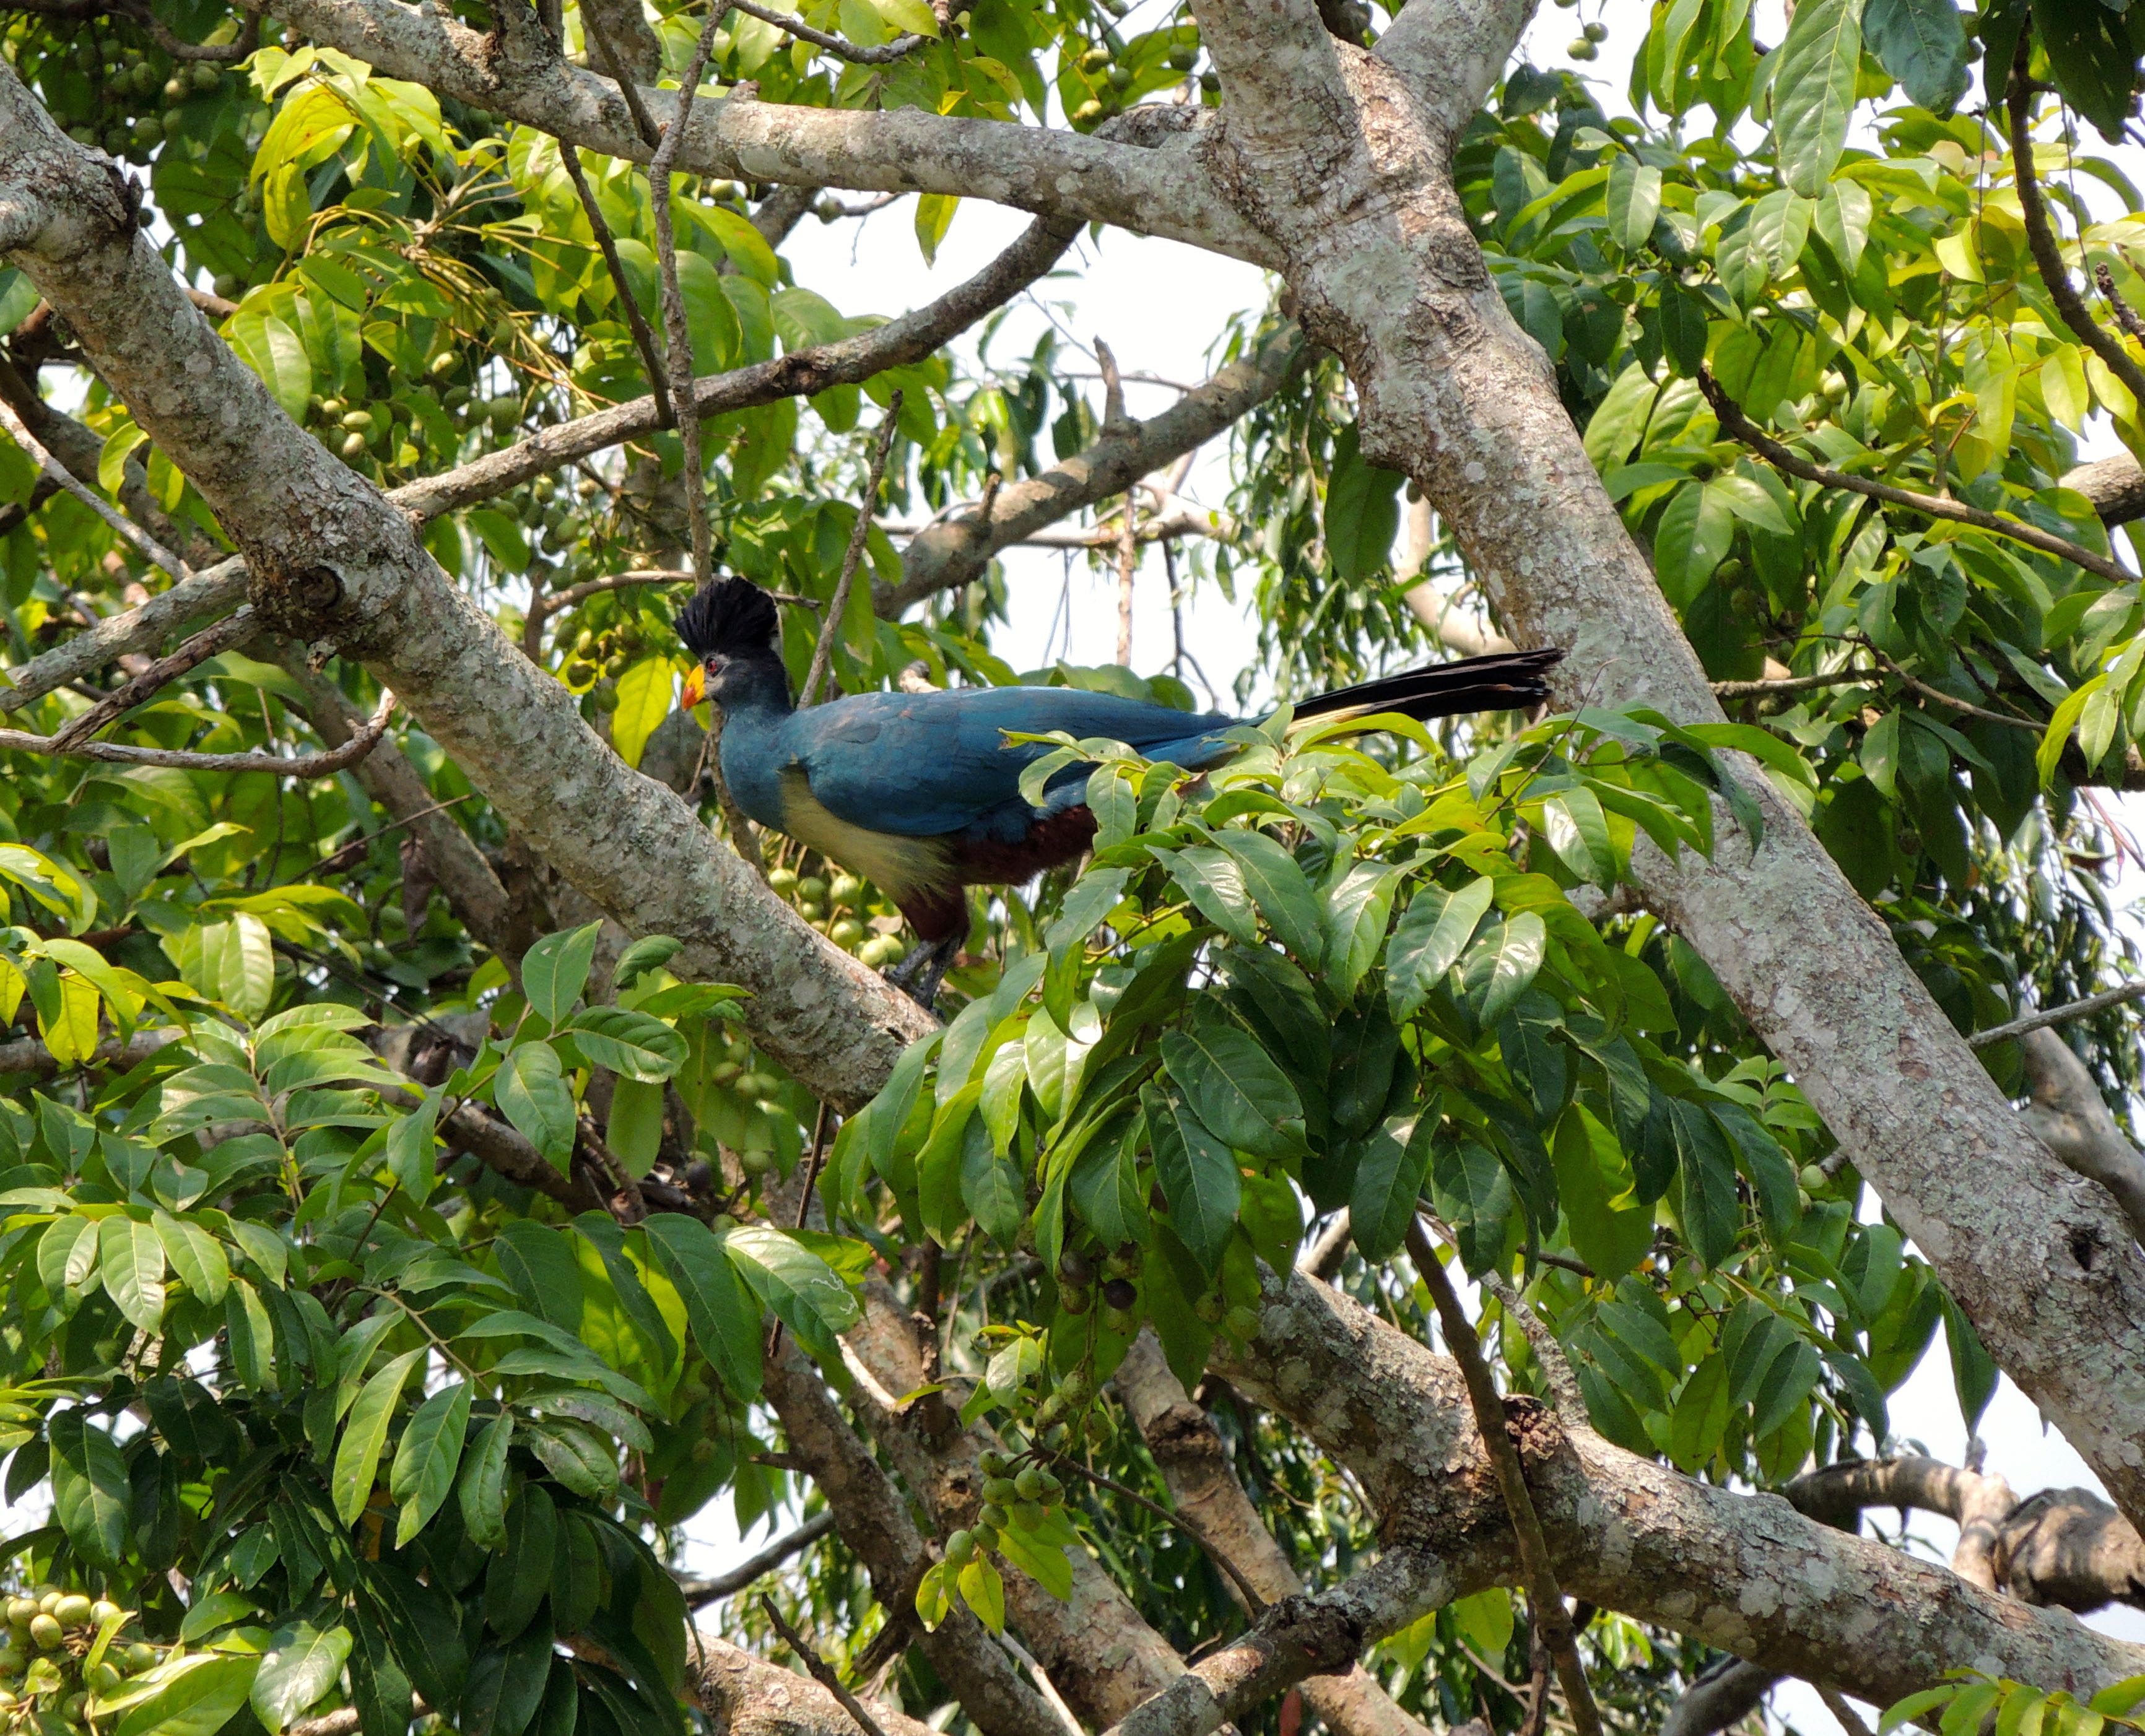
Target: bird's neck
x=757, y=683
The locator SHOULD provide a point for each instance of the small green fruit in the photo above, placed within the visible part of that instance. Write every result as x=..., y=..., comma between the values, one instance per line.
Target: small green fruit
x=353, y=445
x=1076, y=1388
x=845, y=889
x=991, y=1462
x=1813, y=1178
x=1075, y=1299
x=1579, y=48
x=103, y=1610
x=72, y=1611
x=1000, y=1491
x=756, y=1159
x=847, y=934
x=205, y=77
x=782, y=880
x=961, y=1548
x=1210, y=1308
x=1242, y=1322
x=45, y=1633
x=1597, y=31
x=1120, y=77
x=1029, y=1484
x=813, y=887
x=1119, y=1319
x=992, y=1519
x=1088, y=113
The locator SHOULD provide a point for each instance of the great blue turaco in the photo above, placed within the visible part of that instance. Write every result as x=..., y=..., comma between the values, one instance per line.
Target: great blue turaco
x=920, y=793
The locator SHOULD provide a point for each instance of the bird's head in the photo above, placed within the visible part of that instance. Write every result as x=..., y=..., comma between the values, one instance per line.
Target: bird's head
x=727, y=623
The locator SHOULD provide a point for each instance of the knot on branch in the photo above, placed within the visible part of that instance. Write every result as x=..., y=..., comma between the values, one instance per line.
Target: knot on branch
x=297, y=601
x=1182, y=1435
x=1327, y=1638
x=1535, y=1434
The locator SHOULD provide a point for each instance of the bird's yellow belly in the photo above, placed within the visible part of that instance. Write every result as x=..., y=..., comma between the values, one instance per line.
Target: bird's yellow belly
x=897, y=866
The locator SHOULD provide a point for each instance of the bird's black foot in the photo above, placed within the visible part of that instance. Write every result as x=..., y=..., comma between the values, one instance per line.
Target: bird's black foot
x=919, y=974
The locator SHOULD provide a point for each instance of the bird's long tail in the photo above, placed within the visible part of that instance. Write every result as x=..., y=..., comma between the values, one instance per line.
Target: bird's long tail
x=1503, y=681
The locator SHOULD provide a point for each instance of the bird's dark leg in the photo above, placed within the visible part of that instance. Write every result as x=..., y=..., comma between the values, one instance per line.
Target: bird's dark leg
x=919, y=974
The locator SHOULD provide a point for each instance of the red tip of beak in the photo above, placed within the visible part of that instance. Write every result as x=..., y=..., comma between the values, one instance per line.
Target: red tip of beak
x=696, y=687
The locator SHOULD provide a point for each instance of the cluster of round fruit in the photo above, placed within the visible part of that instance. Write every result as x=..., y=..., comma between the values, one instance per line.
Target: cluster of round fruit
x=1587, y=44
x=1120, y=1298
x=597, y=654
x=1105, y=66
x=837, y=908
x=738, y=1073
x=45, y=1680
x=135, y=96
x=1019, y=1491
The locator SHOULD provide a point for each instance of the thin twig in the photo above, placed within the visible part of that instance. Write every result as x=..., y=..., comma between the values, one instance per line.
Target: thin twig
x=2062, y=1015
x=2041, y=240
x=1792, y=684
x=678, y=335
x=362, y=741
x=643, y=339
x=2126, y=315
x=1565, y=1398
x=643, y=122
x=830, y=628
x=1176, y=1521
x=822, y=1672
x=1736, y=425
x=812, y=1164
x=884, y=55
x=211, y=641
x=65, y=478
x=1551, y=1618
x=1836, y=1703
x=699, y=1593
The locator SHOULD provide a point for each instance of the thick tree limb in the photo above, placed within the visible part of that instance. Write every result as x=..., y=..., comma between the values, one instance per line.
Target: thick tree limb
x=1386, y=272
x=955, y=551
x=29, y=1054
x=1195, y=1465
x=873, y=1521
x=2115, y=485
x=1724, y=1695
x=748, y=1696
x=1093, y=1646
x=330, y=559
x=213, y=591
x=1745, y=1572
x=2066, y=1111
x=1162, y=191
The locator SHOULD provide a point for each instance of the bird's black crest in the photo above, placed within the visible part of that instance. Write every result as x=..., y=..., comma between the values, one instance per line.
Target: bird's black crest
x=728, y=615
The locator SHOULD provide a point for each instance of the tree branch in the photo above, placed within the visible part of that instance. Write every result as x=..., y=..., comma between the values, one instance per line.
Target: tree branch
x=643, y=339
x=2041, y=240
x=884, y=55
x=700, y=1592
x=322, y=764
x=2118, y=995
x=128, y=530
x=1164, y=191
x=954, y=552
x=1195, y=1466
x=2068, y=1114
x=830, y=628
x=747, y=1696
x=1738, y=427
x=1545, y=1596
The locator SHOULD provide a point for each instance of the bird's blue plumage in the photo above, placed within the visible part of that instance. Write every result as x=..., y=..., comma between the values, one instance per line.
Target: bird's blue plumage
x=931, y=766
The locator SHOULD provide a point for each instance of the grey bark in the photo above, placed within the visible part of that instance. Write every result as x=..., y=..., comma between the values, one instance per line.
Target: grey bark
x=2066, y=1110
x=1201, y=1482
x=747, y=1696
x=1745, y=1572
x=2115, y=485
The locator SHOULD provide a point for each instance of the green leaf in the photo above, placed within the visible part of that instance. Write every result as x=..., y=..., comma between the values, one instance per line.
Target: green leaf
x=196, y=1695
x=90, y=1488
x=1098, y=892
x=2093, y=56
x=1814, y=91
x=251, y=1335
x=302, y=1663
x=67, y=1253
x=427, y=1457
x=725, y=1320
x=992, y=1186
x=531, y=1092
x=645, y=694
x=1362, y=511
x=555, y=970
x=1430, y=939
x=934, y=216
x=1198, y=1174
x=649, y=952
x=130, y=1257
x=632, y=1045
x=1711, y=1214
x=792, y=1280
x=482, y=1491
x=364, y=1434
x=276, y=353
x=1610, y=1228
x=1356, y=912
x=412, y=1148
x=983, y=1591
x=1923, y=44
x=1474, y=1194
x=520, y=1573
x=1277, y=886
x=1634, y=200
x=196, y=1255
x=1234, y=1087
x=1700, y=1416
x=1214, y=884
x=1389, y=1179
x=1500, y=965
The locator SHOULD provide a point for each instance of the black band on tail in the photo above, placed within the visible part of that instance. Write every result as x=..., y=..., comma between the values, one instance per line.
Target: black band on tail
x=1503, y=681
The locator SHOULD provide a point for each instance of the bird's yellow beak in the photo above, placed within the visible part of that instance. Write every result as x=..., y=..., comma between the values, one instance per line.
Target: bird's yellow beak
x=696, y=687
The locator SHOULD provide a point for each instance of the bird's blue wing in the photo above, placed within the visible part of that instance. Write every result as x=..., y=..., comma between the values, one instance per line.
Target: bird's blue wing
x=924, y=765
